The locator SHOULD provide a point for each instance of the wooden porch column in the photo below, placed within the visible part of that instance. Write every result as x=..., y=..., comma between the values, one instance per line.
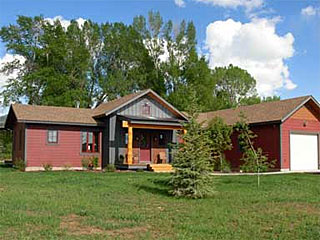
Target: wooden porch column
x=130, y=141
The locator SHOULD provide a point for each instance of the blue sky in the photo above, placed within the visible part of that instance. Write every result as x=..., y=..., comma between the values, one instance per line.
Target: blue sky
x=284, y=62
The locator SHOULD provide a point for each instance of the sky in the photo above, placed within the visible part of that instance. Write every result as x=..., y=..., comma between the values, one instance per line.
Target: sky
x=276, y=41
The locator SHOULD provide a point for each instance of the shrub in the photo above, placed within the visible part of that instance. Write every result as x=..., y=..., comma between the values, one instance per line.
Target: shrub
x=95, y=162
x=85, y=163
x=110, y=168
x=47, y=167
x=220, y=137
x=20, y=164
x=90, y=163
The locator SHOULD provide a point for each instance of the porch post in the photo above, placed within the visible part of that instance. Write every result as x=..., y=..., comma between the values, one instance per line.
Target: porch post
x=130, y=140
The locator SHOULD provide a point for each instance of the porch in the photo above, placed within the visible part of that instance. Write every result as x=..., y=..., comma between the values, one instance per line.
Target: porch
x=148, y=143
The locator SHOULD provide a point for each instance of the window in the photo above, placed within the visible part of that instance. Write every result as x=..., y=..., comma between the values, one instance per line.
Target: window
x=145, y=109
x=90, y=142
x=52, y=136
x=126, y=138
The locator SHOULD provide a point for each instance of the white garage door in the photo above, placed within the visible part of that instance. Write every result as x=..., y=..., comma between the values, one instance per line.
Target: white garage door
x=303, y=152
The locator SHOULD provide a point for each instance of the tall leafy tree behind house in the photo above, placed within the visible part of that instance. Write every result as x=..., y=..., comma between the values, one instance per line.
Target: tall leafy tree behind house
x=90, y=63
x=67, y=57
x=55, y=62
x=125, y=63
x=94, y=62
x=24, y=39
x=233, y=86
x=178, y=68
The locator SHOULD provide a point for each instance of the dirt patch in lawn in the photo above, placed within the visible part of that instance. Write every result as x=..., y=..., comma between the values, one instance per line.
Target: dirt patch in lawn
x=295, y=208
x=128, y=233
x=73, y=224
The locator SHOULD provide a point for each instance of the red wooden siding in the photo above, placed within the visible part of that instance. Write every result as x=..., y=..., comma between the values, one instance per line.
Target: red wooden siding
x=303, y=120
x=67, y=152
x=268, y=138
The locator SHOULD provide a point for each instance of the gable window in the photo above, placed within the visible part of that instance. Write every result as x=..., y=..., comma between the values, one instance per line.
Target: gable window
x=90, y=142
x=52, y=136
x=146, y=109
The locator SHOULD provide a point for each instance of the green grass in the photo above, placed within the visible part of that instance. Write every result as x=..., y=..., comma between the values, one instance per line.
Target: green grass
x=88, y=205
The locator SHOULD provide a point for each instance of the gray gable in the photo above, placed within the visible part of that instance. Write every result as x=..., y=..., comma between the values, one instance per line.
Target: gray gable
x=156, y=109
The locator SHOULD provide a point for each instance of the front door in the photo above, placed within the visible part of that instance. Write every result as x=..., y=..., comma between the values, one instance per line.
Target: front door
x=145, y=146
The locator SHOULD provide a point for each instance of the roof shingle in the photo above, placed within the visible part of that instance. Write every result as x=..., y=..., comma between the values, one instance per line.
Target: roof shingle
x=49, y=114
x=257, y=113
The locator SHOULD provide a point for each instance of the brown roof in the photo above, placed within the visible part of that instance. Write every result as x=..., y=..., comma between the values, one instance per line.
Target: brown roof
x=257, y=113
x=50, y=114
x=106, y=107
x=47, y=114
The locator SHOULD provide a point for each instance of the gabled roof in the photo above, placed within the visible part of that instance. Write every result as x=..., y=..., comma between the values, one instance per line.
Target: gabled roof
x=276, y=111
x=108, y=108
x=50, y=114
x=80, y=116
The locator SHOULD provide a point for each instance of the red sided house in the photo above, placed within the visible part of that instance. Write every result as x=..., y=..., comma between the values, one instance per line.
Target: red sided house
x=287, y=131
x=131, y=132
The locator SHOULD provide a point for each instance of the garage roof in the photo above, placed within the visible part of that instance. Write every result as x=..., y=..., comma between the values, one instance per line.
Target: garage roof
x=275, y=111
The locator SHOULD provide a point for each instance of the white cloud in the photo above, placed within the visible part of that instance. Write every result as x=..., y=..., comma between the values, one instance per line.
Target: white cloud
x=254, y=46
x=64, y=22
x=7, y=58
x=248, y=4
x=309, y=11
x=180, y=3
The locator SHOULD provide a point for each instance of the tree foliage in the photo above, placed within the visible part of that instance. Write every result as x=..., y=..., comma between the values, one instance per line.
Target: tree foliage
x=192, y=161
x=220, y=137
x=93, y=63
x=233, y=85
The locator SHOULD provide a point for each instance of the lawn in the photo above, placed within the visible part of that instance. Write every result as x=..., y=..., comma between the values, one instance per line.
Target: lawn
x=90, y=205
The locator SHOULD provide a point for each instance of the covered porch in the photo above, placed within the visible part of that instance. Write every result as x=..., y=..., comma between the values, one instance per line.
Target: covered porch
x=148, y=142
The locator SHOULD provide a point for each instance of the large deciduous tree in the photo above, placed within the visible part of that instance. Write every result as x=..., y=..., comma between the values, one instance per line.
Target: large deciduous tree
x=233, y=85
x=92, y=63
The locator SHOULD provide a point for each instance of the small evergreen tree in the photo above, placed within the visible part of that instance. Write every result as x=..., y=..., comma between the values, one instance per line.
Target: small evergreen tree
x=192, y=160
x=220, y=137
x=253, y=158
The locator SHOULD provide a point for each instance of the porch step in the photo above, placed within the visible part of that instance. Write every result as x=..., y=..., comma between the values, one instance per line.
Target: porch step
x=163, y=167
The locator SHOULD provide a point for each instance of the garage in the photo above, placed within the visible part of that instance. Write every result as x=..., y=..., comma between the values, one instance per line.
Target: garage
x=304, y=155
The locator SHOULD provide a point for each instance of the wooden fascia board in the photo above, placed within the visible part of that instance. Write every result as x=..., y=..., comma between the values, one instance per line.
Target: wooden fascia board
x=127, y=124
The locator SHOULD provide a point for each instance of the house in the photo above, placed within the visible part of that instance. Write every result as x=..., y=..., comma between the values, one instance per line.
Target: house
x=287, y=131
x=130, y=132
